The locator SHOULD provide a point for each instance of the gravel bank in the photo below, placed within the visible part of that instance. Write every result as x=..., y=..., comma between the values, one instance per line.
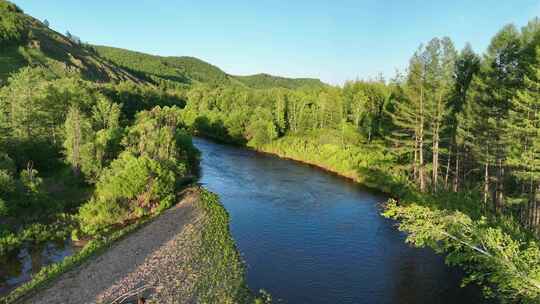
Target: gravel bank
x=157, y=262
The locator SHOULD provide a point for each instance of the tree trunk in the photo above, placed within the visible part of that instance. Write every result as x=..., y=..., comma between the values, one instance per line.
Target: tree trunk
x=77, y=144
x=436, y=139
x=421, y=143
x=435, y=176
x=486, y=184
x=415, y=161
x=528, y=218
x=499, y=196
x=456, y=173
x=448, y=163
x=529, y=214
x=536, y=215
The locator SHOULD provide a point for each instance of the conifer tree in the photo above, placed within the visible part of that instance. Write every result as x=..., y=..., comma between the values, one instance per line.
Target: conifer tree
x=440, y=56
x=409, y=118
x=466, y=67
x=492, y=91
x=78, y=131
x=523, y=137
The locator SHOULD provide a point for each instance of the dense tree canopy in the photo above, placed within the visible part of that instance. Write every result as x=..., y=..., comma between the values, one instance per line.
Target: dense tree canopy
x=13, y=27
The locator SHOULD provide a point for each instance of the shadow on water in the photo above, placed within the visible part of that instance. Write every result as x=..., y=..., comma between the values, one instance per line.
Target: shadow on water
x=19, y=267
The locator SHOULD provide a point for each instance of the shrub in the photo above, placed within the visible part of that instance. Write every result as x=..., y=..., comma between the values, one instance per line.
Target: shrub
x=7, y=183
x=8, y=242
x=4, y=211
x=6, y=163
x=129, y=184
x=261, y=132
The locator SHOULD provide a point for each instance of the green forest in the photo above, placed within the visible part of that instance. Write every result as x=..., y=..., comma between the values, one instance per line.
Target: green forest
x=454, y=139
x=455, y=133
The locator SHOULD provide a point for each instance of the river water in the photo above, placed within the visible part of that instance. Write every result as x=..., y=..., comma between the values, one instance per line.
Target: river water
x=308, y=236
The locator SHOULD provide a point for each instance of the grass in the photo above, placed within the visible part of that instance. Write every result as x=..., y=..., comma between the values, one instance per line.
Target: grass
x=223, y=273
x=369, y=165
x=52, y=50
x=178, y=69
x=193, y=70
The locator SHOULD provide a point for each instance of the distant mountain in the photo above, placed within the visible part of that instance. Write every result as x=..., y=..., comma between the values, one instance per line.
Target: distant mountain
x=192, y=70
x=179, y=69
x=264, y=81
x=26, y=41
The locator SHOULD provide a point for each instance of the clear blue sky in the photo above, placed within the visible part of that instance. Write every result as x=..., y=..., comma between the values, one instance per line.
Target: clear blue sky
x=331, y=40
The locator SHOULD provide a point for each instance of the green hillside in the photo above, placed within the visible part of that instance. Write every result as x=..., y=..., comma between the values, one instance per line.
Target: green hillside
x=191, y=70
x=179, y=69
x=26, y=41
x=265, y=81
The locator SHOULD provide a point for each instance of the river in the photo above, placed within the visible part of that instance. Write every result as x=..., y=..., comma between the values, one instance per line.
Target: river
x=308, y=236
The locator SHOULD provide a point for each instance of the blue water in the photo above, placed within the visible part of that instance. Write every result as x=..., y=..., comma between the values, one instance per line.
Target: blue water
x=308, y=236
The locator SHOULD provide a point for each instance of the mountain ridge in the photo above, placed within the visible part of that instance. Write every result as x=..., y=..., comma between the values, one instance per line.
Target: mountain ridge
x=189, y=69
x=31, y=42
x=35, y=44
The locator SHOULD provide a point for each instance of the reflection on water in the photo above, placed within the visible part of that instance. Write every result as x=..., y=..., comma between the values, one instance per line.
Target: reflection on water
x=21, y=266
x=312, y=237
x=306, y=236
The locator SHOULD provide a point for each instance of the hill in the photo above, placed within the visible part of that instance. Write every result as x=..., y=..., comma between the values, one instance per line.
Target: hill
x=192, y=70
x=26, y=41
x=178, y=69
x=265, y=81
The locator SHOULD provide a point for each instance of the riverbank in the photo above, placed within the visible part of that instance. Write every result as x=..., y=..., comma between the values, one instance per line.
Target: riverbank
x=184, y=255
x=307, y=155
x=368, y=167
x=441, y=206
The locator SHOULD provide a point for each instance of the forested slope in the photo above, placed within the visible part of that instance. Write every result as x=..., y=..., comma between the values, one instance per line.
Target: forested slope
x=266, y=81
x=190, y=70
x=26, y=41
x=178, y=69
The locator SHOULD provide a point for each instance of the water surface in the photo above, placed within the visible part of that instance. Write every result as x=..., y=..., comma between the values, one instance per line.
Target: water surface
x=308, y=236
x=19, y=267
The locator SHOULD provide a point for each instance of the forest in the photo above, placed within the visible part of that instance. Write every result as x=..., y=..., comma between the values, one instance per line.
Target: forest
x=65, y=141
x=454, y=139
x=455, y=133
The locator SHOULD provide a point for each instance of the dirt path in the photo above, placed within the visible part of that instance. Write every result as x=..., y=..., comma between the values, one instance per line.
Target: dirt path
x=157, y=261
